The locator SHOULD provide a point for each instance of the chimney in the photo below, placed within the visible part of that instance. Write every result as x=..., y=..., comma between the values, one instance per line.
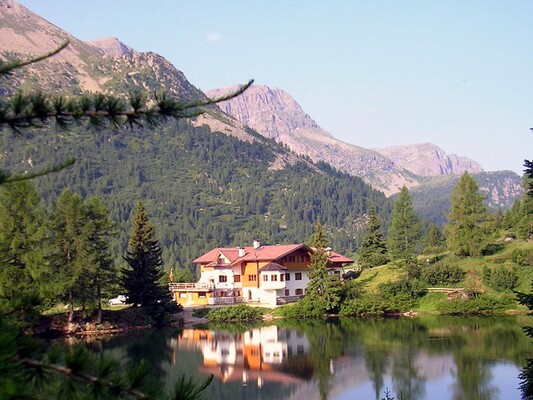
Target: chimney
x=328, y=251
x=241, y=251
x=256, y=244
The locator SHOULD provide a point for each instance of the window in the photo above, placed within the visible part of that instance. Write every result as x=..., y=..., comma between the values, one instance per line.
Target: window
x=282, y=277
x=287, y=292
x=274, y=278
x=287, y=276
x=252, y=278
x=236, y=278
x=300, y=349
x=302, y=258
x=292, y=258
x=201, y=295
x=183, y=295
x=220, y=260
x=298, y=276
x=299, y=292
x=265, y=278
x=222, y=278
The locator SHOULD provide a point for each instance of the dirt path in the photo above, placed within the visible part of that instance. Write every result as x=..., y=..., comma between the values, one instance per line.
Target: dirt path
x=189, y=319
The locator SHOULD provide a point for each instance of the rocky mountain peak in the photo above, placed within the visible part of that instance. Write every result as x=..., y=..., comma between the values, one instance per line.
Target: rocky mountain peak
x=111, y=46
x=275, y=114
x=270, y=111
x=426, y=159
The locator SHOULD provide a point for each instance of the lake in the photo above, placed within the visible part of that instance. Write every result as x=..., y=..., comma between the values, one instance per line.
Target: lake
x=421, y=358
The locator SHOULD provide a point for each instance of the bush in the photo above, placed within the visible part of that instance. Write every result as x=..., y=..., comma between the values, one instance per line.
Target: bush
x=236, y=313
x=523, y=257
x=409, y=287
x=369, y=304
x=442, y=274
x=477, y=305
x=414, y=271
x=500, y=278
x=302, y=309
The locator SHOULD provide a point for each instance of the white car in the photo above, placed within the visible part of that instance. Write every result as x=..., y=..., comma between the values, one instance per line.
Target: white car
x=118, y=301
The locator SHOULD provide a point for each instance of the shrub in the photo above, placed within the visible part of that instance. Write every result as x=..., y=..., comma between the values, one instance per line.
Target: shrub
x=522, y=257
x=235, y=313
x=302, y=309
x=477, y=305
x=414, y=271
x=411, y=288
x=442, y=274
x=500, y=278
x=369, y=304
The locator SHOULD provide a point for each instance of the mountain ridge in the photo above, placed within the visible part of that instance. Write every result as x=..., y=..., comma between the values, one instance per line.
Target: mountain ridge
x=276, y=115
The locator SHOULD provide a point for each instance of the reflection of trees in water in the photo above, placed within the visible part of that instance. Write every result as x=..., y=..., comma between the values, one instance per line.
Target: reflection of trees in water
x=325, y=345
x=473, y=379
x=406, y=379
x=377, y=362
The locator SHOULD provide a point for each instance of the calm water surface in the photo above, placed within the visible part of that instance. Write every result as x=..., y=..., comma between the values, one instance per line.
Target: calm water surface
x=424, y=358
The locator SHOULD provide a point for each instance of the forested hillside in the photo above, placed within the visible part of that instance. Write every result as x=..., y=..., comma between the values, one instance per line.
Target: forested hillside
x=432, y=198
x=201, y=189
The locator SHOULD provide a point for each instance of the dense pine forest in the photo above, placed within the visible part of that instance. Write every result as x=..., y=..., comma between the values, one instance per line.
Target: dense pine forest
x=201, y=189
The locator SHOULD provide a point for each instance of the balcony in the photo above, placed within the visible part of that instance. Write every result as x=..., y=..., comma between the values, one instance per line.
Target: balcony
x=273, y=285
x=191, y=287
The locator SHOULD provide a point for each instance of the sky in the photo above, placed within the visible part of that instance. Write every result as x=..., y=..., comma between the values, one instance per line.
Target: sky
x=455, y=73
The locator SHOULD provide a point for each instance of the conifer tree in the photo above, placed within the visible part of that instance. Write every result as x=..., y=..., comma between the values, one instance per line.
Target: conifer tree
x=404, y=230
x=466, y=230
x=21, y=239
x=70, y=251
x=373, y=249
x=323, y=289
x=141, y=279
x=104, y=275
x=433, y=239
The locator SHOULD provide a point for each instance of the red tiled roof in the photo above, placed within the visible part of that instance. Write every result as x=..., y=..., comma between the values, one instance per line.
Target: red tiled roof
x=262, y=253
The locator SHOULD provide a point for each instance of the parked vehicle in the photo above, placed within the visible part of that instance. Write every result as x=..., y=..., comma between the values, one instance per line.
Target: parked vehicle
x=118, y=301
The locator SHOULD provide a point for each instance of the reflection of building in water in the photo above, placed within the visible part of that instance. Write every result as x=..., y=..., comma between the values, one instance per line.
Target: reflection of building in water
x=262, y=354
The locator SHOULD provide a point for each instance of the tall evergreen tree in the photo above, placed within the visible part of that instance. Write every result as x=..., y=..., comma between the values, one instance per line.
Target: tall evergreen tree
x=104, y=275
x=466, y=229
x=141, y=279
x=323, y=289
x=404, y=230
x=70, y=252
x=373, y=249
x=433, y=239
x=21, y=237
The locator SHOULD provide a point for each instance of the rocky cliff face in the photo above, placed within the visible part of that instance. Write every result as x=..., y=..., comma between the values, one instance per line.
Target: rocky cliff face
x=275, y=114
x=426, y=159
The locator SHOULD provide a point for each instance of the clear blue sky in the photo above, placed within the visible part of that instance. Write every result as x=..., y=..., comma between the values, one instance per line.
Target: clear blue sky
x=455, y=73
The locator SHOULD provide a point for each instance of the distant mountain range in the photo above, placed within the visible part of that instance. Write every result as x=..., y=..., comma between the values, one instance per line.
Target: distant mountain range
x=261, y=115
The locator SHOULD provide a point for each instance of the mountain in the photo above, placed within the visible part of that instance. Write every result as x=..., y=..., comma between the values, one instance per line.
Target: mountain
x=276, y=115
x=206, y=182
x=103, y=65
x=426, y=159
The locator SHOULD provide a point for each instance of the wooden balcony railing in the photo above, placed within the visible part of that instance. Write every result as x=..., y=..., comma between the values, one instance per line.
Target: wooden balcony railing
x=182, y=287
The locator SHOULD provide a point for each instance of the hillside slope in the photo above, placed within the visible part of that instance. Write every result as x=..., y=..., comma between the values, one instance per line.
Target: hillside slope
x=276, y=115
